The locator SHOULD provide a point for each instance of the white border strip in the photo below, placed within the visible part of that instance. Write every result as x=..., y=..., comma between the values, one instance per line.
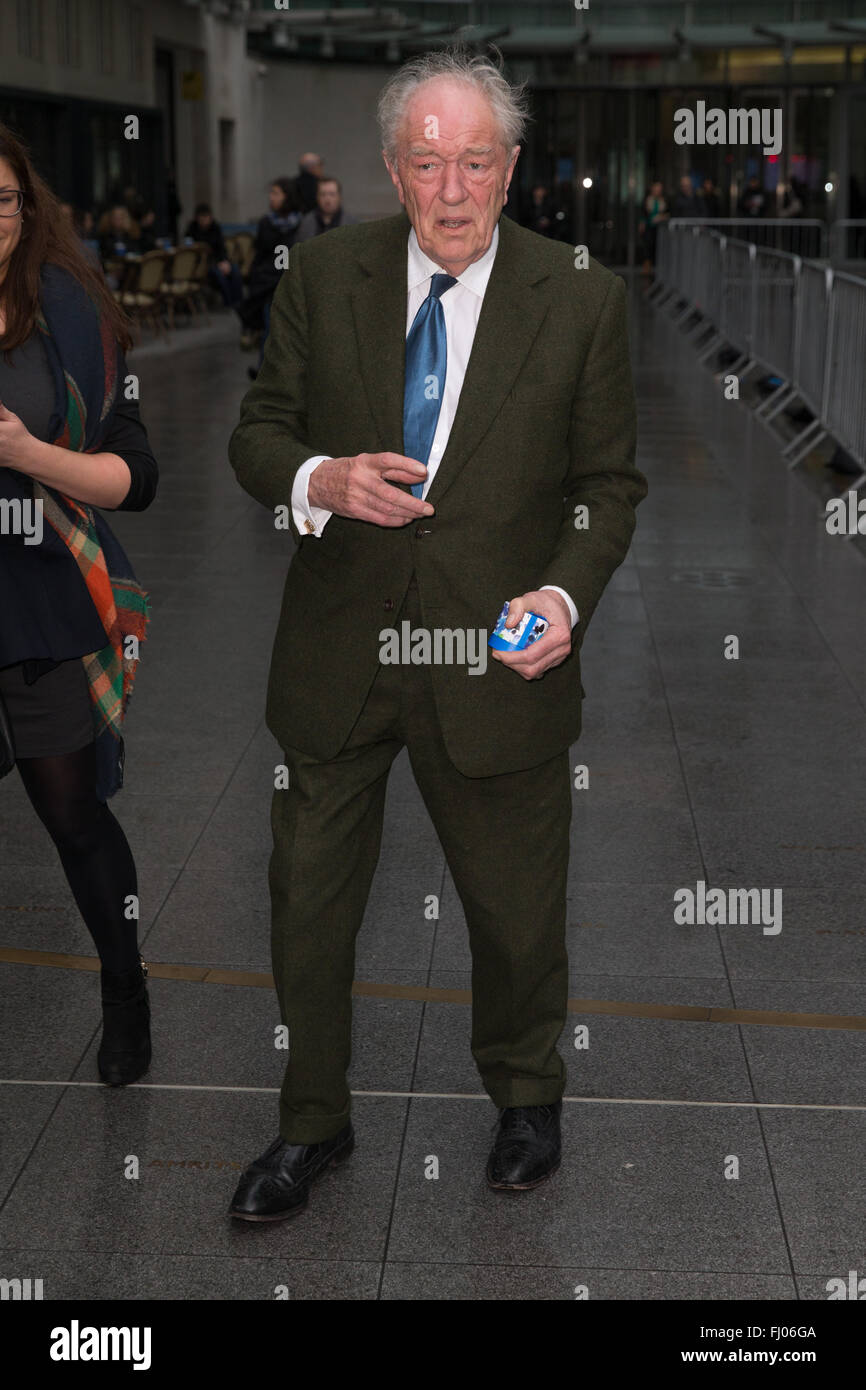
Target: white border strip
x=447, y=1095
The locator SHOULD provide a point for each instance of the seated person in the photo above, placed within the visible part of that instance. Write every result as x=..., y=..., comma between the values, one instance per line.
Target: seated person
x=222, y=273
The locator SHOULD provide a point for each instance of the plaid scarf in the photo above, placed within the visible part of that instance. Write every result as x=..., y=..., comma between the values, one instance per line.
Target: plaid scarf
x=87, y=366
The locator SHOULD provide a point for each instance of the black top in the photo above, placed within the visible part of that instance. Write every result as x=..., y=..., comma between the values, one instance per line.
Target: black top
x=212, y=236
x=269, y=235
x=46, y=613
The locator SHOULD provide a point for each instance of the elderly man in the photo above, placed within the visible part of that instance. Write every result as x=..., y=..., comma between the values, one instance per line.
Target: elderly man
x=446, y=415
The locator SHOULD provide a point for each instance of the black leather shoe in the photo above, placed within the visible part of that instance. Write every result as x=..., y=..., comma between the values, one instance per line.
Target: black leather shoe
x=124, y=1050
x=277, y=1185
x=527, y=1148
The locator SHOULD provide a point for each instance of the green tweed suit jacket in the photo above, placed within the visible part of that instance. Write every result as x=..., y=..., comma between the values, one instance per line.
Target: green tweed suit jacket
x=545, y=425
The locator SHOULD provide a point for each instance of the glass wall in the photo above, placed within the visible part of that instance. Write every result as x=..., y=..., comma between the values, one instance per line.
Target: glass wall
x=598, y=150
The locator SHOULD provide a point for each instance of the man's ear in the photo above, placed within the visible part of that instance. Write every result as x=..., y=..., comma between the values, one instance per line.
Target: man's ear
x=395, y=178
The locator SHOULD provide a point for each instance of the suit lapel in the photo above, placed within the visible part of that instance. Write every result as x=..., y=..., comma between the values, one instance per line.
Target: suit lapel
x=511, y=315
x=379, y=308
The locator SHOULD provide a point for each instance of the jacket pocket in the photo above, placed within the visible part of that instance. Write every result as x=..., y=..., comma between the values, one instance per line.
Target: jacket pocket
x=321, y=554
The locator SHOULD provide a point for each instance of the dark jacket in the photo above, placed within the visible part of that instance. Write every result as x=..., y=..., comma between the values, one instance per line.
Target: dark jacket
x=212, y=236
x=545, y=424
x=46, y=613
x=270, y=234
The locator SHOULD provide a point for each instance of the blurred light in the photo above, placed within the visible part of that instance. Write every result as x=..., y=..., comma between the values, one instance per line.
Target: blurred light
x=587, y=182
x=772, y=159
x=828, y=188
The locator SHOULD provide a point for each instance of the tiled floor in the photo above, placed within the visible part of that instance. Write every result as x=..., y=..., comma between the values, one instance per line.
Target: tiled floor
x=745, y=773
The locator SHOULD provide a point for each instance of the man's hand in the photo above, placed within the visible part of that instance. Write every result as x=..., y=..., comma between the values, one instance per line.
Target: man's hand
x=551, y=649
x=356, y=487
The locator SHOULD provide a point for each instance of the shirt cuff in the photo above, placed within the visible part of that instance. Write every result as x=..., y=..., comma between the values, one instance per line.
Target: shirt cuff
x=571, y=608
x=310, y=521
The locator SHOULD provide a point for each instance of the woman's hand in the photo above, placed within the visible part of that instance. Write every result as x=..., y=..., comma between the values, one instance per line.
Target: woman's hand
x=15, y=440
x=101, y=480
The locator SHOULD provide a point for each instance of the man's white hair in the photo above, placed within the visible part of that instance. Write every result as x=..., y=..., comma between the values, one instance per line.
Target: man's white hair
x=509, y=103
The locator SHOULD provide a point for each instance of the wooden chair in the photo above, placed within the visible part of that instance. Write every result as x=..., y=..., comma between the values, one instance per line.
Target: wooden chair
x=180, y=285
x=142, y=295
x=204, y=289
x=245, y=250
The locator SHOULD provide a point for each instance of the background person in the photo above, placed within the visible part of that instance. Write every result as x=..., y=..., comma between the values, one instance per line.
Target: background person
x=655, y=211
x=752, y=201
x=119, y=233
x=541, y=215
x=278, y=227
x=686, y=201
x=328, y=212
x=222, y=273
x=311, y=169
x=710, y=200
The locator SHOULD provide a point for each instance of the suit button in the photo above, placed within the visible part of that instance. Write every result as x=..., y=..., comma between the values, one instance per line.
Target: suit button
x=388, y=605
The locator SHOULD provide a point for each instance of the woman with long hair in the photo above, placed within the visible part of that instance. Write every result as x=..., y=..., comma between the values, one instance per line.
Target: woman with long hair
x=72, y=614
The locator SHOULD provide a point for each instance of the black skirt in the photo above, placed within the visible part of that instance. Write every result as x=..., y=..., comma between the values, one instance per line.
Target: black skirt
x=52, y=716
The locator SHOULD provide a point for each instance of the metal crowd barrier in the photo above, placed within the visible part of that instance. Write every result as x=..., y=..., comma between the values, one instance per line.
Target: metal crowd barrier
x=845, y=407
x=801, y=236
x=798, y=320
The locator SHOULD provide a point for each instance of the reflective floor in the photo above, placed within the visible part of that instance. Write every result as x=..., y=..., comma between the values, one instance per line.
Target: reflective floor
x=715, y=1118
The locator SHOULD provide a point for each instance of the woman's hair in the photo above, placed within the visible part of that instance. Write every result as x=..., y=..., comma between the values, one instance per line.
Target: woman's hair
x=290, y=195
x=47, y=235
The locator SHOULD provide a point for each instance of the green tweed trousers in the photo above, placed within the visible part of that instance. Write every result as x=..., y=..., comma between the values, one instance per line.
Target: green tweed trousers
x=506, y=842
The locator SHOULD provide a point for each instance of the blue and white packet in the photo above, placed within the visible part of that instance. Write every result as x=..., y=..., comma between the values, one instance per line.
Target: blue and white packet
x=517, y=639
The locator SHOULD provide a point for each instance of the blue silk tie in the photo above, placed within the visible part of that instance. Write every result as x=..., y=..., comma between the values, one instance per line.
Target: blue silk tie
x=426, y=362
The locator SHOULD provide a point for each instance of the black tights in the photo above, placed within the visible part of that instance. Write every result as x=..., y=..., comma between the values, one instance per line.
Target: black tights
x=93, y=850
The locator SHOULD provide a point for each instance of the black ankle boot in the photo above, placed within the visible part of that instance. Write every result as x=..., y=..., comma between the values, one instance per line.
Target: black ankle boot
x=124, y=1052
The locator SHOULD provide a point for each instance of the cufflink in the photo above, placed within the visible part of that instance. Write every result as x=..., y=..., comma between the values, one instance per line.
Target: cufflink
x=309, y=526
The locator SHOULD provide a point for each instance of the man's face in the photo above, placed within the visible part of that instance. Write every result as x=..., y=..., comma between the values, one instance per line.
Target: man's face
x=328, y=197
x=452, y=172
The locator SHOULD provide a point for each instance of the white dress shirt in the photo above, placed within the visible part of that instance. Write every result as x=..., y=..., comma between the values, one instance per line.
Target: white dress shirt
x=461, y=304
